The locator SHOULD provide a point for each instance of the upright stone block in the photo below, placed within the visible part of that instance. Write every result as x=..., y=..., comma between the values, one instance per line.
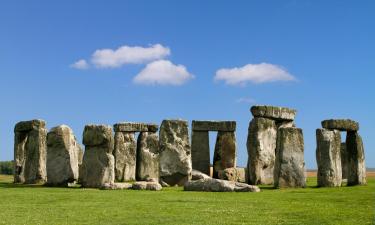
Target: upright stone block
x=344, y=161
x=63, y=154
x=125, y=156
x=30, y=150
x=147, y=156
x=357, y=168
x=289, y=163
x=175, y=153
x=98, y=162
x=261, y=146
x=328, y=158
x=200, y=151
x=225, y=152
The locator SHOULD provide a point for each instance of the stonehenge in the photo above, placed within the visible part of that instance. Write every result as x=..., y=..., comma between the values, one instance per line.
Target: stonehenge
x=30, y=151
x=63, y=156
x=225, y=147
x=116, y=159
x=337, y=161
x=175, y=153
x=261, y=141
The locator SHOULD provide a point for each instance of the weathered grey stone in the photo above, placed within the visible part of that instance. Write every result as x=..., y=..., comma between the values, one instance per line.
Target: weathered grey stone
x=135, y=127
x=147, y=185
x=357, y=168
x=284, y=124
x=344, y=161
x=341, y=124
x=30, y=149
x=289, y=163
x=261, y=146
x=98, y=162
x=207, y=125
x=175, y=153
x=125, y=151
x=197, y=175
x=116, y=186
x=63, y=154
x=233, y=174
x=225, y=152
x=200, y=151
x=328, y=158
x=147, y=156
x=273, y=112
x=216, y=185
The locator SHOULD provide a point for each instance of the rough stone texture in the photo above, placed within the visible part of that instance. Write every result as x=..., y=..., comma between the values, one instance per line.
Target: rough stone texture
x=285, y=124
x=63, y=154
x=225, y=152
x=147, y=156
x=273, y=112
x=125, y=156
x=289, y=162
x=98, y=162
x=233, y=174
x=328, y=158
x=340, y=124
x=135, y=127
x=261, y=146
x=30, y=149
x=344, y=161
x=200, y=151
x=197, y=175
x=175, y=153
x=206, y=125
x=357, y=168
x=116, y=186
x=147, y=185
x=216, y=185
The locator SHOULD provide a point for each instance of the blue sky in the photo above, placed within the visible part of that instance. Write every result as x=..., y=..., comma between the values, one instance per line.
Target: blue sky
x=315, y=56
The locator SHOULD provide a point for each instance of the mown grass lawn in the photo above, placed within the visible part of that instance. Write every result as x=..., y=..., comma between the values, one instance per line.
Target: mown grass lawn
x=20, y=204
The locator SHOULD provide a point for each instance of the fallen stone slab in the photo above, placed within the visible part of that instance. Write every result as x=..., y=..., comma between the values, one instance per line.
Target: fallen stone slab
x=197, y=175
x=116, y=186
x=328, y=157
x=289, y=162
x=233, y=174
x=147, y=185
x=273, y=112
x=210, y=125
x=341, y=124
x=63, y=152
x=356, y=154
x=135, y=127
x=216, y=185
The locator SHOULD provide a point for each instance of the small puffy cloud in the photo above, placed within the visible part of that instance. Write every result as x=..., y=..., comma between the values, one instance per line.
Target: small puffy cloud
x=163, y=72
x=80, y=64
x=254, y=73
x=245, y=100
x=108, y=58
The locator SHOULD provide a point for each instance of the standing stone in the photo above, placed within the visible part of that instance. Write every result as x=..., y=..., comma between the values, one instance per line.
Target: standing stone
x=98, y=162
x=225, y=152
x=328, y=158
x=63, y=154
x=200, y=151
x=147, y=156
x=357, y=168
x=289, y=163
x=125, y=156
x=30, y=150
x=175, y=153
x=344, y=161
x=261, y=146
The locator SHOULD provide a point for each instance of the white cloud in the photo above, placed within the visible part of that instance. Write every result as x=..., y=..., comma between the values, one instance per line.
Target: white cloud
x=80, y=64
x=245, y=100
x=163, y=72
x=255, y=73
x=108, y=58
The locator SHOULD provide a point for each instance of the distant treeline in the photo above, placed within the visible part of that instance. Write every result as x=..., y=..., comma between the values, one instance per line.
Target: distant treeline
x=6, y=167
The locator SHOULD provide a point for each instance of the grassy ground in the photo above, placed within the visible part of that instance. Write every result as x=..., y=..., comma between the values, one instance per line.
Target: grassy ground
x=20, y=204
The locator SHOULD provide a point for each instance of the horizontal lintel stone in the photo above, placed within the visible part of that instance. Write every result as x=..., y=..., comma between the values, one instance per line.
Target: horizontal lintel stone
x=273, y=112
x=340, y=124
x=135, y=127
x=29, y=125
x=200, y=125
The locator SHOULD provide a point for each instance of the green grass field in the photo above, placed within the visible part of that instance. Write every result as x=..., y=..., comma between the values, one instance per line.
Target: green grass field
x=20, y=204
